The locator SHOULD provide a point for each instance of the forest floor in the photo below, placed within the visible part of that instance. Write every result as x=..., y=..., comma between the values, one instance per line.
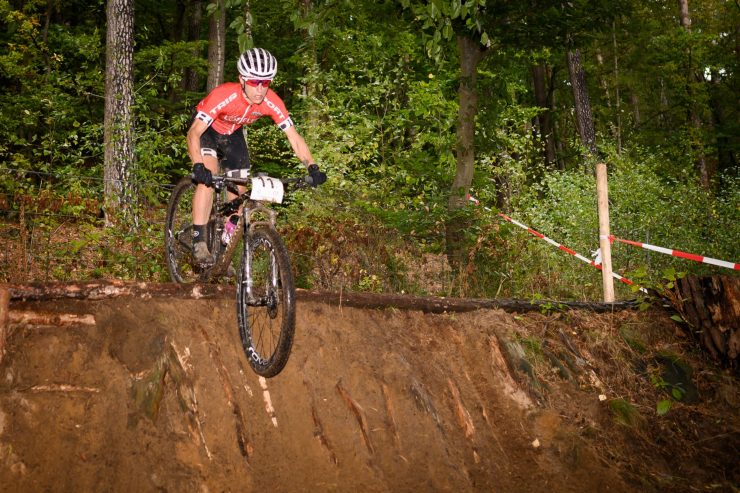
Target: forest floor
x=156, y=395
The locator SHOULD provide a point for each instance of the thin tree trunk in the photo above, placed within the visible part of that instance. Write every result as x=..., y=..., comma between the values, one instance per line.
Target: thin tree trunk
x=310, y=88
x=584, y=118
x=119, y=122
x=191, y=81
x=635, y=99
x=726, y=160
x=249, y=42
x=216, y=46
x=602, y=79
x=618, y=112
x=178, y=21
x=470, y=55
x=697, y=139
x=544, y=119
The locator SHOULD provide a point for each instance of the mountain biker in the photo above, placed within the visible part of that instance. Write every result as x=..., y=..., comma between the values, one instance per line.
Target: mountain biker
x=214, y=132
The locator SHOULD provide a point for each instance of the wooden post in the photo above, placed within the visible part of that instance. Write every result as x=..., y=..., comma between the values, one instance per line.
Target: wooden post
x=602, y=192
x=4, y=312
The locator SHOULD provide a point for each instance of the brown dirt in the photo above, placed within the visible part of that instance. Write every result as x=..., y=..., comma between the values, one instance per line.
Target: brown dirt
x=157, y=396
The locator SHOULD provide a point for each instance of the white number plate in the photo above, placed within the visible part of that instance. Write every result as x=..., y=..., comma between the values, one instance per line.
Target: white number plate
x=267, y=189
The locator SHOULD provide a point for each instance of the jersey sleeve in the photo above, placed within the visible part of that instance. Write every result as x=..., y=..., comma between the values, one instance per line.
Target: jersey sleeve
x=278, y=111
x=202, y=111
x=212, y=105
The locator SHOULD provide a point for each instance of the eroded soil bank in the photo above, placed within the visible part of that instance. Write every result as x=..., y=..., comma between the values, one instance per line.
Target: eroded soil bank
x=156, y=395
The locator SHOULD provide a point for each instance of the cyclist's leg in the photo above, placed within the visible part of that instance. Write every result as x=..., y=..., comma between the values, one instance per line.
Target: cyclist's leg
x=204, y=195
x=203, y=198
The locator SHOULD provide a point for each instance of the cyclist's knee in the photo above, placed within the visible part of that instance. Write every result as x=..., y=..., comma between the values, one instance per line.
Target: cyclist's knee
x=209, y=159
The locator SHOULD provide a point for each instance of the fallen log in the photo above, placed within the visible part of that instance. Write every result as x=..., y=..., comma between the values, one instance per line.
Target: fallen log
x=17, y=318
x=98, y=290
x=434, y=304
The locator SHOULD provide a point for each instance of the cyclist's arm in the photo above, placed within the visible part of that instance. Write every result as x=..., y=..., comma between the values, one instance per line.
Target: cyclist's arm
x=194, y=133
x=299, y=146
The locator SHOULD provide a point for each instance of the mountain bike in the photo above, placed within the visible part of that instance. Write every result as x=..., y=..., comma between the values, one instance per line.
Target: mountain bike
x=265, y=290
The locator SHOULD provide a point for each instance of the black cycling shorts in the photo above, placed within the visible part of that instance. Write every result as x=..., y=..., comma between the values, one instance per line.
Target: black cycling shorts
x=231, y=150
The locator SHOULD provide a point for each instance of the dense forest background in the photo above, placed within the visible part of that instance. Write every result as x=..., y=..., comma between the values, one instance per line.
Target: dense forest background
x=408, y=106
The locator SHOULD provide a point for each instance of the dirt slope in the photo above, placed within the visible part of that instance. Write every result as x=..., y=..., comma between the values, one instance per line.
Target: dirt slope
x=155, y=395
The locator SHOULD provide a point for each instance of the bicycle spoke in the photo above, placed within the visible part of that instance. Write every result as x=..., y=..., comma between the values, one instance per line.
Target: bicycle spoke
x=266, y=310
x=178, y=234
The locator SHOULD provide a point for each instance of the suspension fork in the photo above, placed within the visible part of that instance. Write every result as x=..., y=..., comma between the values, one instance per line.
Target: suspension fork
x=247, y=282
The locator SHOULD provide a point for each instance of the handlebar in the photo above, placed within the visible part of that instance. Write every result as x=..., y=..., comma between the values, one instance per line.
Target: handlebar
x=219, y=181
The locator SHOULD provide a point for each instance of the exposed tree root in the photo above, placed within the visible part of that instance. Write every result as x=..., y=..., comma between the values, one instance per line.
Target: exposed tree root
x=359, y=413
x=245, y=447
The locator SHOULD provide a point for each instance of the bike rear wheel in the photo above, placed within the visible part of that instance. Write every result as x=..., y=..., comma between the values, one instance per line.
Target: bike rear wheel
x=179, y=235
x=266, y=302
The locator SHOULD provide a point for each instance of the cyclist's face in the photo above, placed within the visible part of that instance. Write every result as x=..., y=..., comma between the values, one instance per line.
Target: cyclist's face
x=255, y=92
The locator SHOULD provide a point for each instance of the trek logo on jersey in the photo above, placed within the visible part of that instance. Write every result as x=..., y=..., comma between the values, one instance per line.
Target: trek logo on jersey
x=223, y=104
x=271, y=105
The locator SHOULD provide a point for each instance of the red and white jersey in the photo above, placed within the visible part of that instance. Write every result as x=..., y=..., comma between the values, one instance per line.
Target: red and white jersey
x=227, y=109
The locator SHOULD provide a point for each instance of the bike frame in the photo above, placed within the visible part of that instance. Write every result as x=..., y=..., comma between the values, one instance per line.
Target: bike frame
x=223, y=209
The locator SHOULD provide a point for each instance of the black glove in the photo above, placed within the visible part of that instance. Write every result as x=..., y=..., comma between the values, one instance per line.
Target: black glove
x=203, y=175
x=317, y=177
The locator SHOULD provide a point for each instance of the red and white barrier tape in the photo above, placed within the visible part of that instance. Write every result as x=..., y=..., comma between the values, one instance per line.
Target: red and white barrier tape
x=554, y=243
x=679, y=253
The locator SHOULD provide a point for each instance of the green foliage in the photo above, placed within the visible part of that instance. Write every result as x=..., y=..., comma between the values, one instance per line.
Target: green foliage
x=380, y=116
x=645, y=205
x=625, y=413
x=443, y=19
x=663, y=407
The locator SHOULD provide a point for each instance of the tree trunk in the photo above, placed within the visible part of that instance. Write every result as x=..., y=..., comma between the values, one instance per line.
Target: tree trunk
x=584, y=118
x=618, y=104
x=191, y=81
x=216, y=46
x=727, y=141
x=310, y=88
x=635, y=100
x=543, y=99
x=119, y=122
x=178, y=21
x=470, y=55
x=246, y=42
x=697, y=139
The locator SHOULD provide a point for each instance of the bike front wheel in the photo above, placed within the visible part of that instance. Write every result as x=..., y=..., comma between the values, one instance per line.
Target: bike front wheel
x=266, y=301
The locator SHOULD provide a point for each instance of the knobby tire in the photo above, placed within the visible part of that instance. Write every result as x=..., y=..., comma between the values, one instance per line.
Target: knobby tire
x=179, y=232
x=267, y=320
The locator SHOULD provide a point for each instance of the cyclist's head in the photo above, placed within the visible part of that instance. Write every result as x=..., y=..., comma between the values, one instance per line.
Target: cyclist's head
x=257, y=63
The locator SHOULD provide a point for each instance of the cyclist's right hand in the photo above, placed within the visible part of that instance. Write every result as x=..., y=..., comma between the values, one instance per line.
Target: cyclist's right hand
x=203, y=175
x=317, y=177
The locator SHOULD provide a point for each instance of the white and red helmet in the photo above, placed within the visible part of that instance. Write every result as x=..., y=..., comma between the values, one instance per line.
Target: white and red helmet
x=257, y=63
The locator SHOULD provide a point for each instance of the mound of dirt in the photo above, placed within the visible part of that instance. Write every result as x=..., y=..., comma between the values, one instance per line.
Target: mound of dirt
x=156, y=395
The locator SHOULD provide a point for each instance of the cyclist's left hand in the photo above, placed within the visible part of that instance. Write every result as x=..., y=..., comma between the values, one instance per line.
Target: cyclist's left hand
x=317, y=176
